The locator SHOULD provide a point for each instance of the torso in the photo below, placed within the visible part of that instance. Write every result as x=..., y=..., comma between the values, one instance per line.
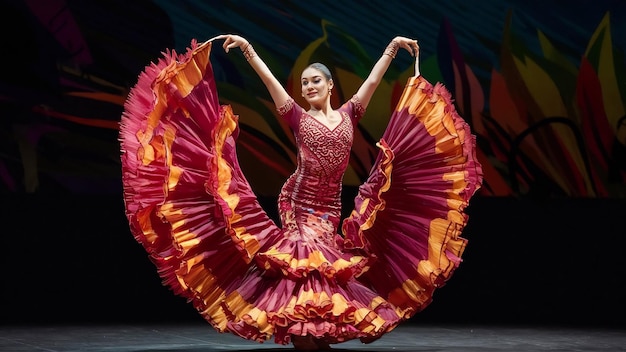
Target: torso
x=323, y=157
x=310, y=200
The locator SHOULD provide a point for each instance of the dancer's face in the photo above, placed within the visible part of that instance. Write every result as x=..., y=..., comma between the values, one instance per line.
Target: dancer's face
x=315, y=87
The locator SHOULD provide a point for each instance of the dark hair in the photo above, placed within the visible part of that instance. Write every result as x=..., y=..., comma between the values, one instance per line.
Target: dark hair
x=322, y=68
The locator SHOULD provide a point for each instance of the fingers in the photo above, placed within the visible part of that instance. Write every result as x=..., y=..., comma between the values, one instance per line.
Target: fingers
x=230, y=41
x=410, y=45
x=415, y=47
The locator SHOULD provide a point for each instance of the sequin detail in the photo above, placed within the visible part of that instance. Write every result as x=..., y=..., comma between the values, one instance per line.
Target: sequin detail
x=283, y=109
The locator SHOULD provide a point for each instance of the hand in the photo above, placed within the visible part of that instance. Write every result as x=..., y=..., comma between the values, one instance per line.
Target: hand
x=232, y=41
x=409, y=44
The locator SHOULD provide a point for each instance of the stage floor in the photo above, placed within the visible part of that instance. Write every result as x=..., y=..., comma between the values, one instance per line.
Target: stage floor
x=197, y=337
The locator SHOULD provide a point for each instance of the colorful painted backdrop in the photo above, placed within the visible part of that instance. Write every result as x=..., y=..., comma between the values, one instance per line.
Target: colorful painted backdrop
x=543, y=84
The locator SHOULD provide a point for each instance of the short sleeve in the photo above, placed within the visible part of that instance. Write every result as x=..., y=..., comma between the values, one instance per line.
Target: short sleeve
x=359, y=110
x=353, y=108
x=291, y=112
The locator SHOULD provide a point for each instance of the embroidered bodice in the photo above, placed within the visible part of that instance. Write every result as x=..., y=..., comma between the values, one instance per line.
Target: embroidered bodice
x=323, y=157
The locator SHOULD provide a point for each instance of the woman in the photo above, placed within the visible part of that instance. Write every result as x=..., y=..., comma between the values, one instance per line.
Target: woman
x=191, y=207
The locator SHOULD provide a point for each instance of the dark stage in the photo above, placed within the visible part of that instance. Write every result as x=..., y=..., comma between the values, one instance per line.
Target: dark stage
x=200, y=337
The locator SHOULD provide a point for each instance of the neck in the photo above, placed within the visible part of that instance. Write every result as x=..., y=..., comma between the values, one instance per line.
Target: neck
x=324, y=109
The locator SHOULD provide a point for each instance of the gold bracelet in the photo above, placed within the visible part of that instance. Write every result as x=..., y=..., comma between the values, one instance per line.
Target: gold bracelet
x=392, y=49
x=248, y=52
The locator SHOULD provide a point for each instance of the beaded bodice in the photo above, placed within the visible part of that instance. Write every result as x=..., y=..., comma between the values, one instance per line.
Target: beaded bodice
x=324, y=153
x=323, y=156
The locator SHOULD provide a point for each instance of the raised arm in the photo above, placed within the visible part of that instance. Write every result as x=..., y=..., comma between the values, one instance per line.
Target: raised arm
x=275, y=88
x=372, y=81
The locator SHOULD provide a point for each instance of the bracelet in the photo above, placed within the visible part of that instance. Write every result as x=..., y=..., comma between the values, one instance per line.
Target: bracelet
x=248, y=52
x=392, y=49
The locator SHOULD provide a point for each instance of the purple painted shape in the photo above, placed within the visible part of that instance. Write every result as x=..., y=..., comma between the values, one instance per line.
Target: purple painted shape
x=55, y=16
x=6, y=178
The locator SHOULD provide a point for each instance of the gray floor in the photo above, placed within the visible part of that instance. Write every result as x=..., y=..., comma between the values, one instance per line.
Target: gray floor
x=196, y=337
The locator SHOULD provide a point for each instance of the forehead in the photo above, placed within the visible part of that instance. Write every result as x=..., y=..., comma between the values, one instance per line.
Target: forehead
x=311, y=72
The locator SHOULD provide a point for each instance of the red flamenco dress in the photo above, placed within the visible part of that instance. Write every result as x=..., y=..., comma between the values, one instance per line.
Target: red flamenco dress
x=192, y=209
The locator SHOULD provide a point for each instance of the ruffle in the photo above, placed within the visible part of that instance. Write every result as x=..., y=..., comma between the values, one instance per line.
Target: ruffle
x=296, y=266
x=410, y=212
x=190, y=206
x=312, y=305
x=363, y=216
x=186, y=199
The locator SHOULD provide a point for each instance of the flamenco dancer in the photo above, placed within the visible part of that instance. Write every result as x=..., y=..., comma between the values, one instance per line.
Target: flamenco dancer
x=313, y=280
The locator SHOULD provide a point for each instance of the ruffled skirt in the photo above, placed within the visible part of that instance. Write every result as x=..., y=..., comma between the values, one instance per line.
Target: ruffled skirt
x=190, y=206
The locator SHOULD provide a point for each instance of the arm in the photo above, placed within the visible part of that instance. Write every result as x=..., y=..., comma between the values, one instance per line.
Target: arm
x=372, y=81
x=277, y=91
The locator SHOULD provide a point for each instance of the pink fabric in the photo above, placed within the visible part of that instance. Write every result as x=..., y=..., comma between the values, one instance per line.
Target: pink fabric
x=191, y=207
